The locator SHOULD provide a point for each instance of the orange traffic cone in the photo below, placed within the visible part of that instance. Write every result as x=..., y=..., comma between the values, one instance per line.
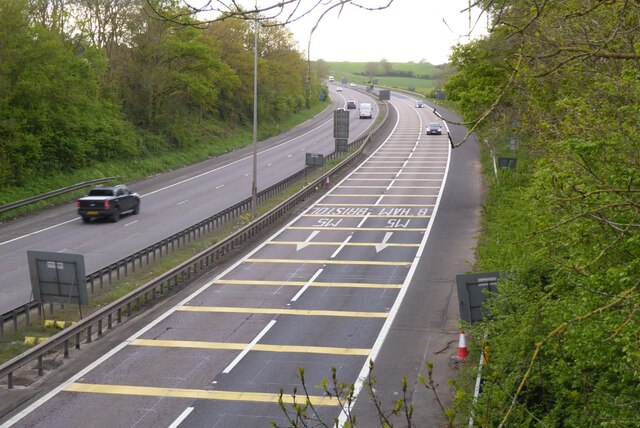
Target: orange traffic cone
x=463, y=353
x=327, y=184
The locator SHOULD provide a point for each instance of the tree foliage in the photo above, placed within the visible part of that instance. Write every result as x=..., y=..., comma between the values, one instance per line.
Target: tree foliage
x=88, y=80
x=562, y=78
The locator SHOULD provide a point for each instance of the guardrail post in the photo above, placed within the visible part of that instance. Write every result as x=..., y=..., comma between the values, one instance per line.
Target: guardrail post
x=27, y=317
x=40, y=368
x=10, y=380
x=99, y=328
x=89, y=338
x=78, y=341
x=14, y=313
x=66, y=349
x=110, y=321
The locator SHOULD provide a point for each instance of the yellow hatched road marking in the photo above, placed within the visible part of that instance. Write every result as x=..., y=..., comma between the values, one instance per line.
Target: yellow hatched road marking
x=418, y=150
x=256, y=347
x=364, y=215
x=352, y=244
x=410, y=158
x=147, y=391
x=400, y=161
x=396, y=172
x=404, y=168
x=394, y=179
x=384, y=187
x=386, y=195
x=330, y=262
x=364, y=229
x=303, y=283
x=278, y=311
x=373, y=206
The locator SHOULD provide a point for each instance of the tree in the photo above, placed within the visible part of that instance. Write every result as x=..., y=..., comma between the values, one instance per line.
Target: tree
x=565, y=325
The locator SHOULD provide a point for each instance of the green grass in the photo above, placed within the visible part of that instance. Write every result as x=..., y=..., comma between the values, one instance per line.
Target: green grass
x=12, y=344
x=137, y=169
x=350, y=71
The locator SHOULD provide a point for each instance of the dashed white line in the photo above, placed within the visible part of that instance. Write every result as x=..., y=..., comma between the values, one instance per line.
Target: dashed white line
x=181, y=418
x=182, y=202
x=220, y=186
x=335, y=253
x=250, y=346
x=307, y=285
x=129, y=224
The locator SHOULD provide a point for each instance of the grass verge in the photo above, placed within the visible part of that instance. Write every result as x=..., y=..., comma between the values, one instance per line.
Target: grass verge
x=13, y=344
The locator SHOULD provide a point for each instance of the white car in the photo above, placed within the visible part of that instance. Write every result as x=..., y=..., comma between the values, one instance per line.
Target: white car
x=339, y=89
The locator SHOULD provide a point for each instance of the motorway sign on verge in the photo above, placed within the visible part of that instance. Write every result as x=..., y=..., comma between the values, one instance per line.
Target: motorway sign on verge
x=473, y=290
x=57, y=277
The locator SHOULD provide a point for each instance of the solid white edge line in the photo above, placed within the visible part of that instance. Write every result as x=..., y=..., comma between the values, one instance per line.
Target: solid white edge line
x=177, y=183
x=375, y=350
x=162, y=317
x=307, y=285
x=248, y=348
x=181, y=418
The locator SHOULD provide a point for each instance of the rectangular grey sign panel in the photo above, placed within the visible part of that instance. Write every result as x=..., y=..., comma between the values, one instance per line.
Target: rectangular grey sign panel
x=57, y=277
x=473, y=290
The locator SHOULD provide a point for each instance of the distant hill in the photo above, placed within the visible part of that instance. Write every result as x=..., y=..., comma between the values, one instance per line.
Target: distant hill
x=425, y=78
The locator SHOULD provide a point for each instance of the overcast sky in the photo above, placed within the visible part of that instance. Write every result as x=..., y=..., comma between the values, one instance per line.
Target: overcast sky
x=409, y=30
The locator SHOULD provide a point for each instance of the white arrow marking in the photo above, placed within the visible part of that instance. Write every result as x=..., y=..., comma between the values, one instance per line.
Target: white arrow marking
x=383, y=245
x=304, y=244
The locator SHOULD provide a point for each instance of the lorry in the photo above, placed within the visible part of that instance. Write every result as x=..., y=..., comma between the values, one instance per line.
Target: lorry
x=108, y=202
x=365, y=111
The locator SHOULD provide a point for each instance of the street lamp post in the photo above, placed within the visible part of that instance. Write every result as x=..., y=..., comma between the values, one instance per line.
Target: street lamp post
x=254, y=186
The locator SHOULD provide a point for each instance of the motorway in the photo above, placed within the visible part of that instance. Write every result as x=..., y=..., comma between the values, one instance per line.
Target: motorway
x=170, y=203
x=364, y=273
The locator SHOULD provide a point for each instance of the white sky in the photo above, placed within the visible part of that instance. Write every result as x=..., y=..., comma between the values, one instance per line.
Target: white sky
x=408, y=30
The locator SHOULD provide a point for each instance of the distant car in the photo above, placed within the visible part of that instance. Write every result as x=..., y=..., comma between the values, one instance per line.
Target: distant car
x=420, y=104
x=351, y=105
x=434, y=128
x=108, y=202
x=353, y=85
x=339, y=89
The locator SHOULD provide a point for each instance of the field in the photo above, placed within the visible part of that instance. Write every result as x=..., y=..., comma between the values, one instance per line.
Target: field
x=351, y=71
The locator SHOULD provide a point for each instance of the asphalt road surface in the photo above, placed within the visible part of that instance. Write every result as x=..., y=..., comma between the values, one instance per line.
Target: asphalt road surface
x=170, y=203
x=365, y=273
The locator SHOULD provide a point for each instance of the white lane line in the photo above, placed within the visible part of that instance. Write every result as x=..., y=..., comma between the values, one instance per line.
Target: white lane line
x=386, y=327
x=289, y=156
x=182, y=181
x=346, y=241
x=307, y=285
x=38, y=231
x=248, y=348
x=247, y=174
x=182, y=202
x=181, y=418
x=129, y=224
x=269, y=164
x=60, y=388
x=238, y=161
x=220, y=186
x=63, y=250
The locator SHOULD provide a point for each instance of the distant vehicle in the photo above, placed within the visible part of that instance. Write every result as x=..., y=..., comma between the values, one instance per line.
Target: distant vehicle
x=331, y=79
x=351, y=105
x=366, y=112
x=420, y=104
x=108, y=202
x=339, y=89
x=434, y=128
x=353, y=85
